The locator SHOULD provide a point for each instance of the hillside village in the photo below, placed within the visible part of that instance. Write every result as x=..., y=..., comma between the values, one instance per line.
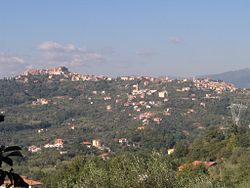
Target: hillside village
x=146, y=100
x=56, y=113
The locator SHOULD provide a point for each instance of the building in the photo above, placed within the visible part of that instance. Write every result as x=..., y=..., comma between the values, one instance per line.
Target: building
x=186, y=89
x=135, y=87
x=41, y=101
x=123, y=140
x=157, y=120
x=97, y=143
x=124, y=78
x=109, y=108
x=59, y=143
x=87, y=143
x=142, y=127
x=170, y=151
x=163, y=94
x=34, y=149
x=104, y=156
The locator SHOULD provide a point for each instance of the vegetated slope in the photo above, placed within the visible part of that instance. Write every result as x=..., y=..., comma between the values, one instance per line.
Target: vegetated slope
x=127, y=114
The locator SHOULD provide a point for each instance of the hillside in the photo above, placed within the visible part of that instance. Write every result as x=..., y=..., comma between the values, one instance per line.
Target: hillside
x=51, y=113
x=240, y=78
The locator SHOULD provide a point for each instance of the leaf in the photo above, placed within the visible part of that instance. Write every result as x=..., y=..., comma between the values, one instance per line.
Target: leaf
x=12, y=148
x=10, y=178
x=2, y=176
x=15, y=153
x=18, y=181
x=2, y=148
x=7, y=160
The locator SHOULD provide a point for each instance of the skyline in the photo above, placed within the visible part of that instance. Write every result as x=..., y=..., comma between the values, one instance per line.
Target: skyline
x=125, y=38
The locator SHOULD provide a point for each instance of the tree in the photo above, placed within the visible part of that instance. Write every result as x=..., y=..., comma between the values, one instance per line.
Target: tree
x=5, y=156
x=1, y=117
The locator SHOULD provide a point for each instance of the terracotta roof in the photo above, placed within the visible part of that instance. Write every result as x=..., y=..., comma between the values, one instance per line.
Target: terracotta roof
x=86, y=143
x=26, y=180
x=31, y=182
x=197, y=163
x=207, y=164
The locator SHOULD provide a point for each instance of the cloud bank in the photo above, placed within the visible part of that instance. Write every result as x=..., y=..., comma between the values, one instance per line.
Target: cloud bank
x=68, y=54
x=10, y=59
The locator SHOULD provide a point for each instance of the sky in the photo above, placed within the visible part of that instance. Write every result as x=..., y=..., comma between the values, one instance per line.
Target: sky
x=131, y=37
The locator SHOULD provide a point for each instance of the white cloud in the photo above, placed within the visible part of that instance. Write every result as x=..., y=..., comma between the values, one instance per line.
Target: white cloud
x=68, y=54
x=175, y=40
x=11, y=65
x=54, y=46
x=9, y=59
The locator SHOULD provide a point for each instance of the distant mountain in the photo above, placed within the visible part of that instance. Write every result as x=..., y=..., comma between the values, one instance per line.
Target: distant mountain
x=240, y=78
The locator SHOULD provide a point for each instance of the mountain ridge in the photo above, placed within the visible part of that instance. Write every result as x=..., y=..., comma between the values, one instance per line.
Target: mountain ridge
x=240, y=78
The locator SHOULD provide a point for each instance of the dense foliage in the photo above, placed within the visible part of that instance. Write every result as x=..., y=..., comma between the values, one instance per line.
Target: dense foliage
x=126, y=170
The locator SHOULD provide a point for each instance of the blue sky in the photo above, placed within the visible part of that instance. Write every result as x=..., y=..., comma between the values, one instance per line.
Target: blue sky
x=132, y=37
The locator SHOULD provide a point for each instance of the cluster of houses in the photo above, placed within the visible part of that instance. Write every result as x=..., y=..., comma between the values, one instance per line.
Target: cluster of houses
x=135, y=99
x=41, y=101
x=59, y=71
x=145, y=79
x=57, y=144
x=219, y=86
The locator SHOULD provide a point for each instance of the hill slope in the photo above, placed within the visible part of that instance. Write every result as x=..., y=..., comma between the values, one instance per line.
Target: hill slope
x=240, y=78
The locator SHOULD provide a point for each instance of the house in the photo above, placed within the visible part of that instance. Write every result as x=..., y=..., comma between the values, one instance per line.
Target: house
x=142, y=127
x=97, y=143
x=123, y=140
x=145, y=83
x=107, y=98
x=34, y=149
x=170, y=151
x=41, y=101
x=87, y=143
x=162, y=94
x=63, y=152
x=209, y=164
x=59, y=143
x=124, y=78
x=109, y=108
x=104, y=156
x=135, y=88
x=203, y=104
x=142, y=96
x=157, y=120
x=185, y=89
x=190, y=111
x=25, y=183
